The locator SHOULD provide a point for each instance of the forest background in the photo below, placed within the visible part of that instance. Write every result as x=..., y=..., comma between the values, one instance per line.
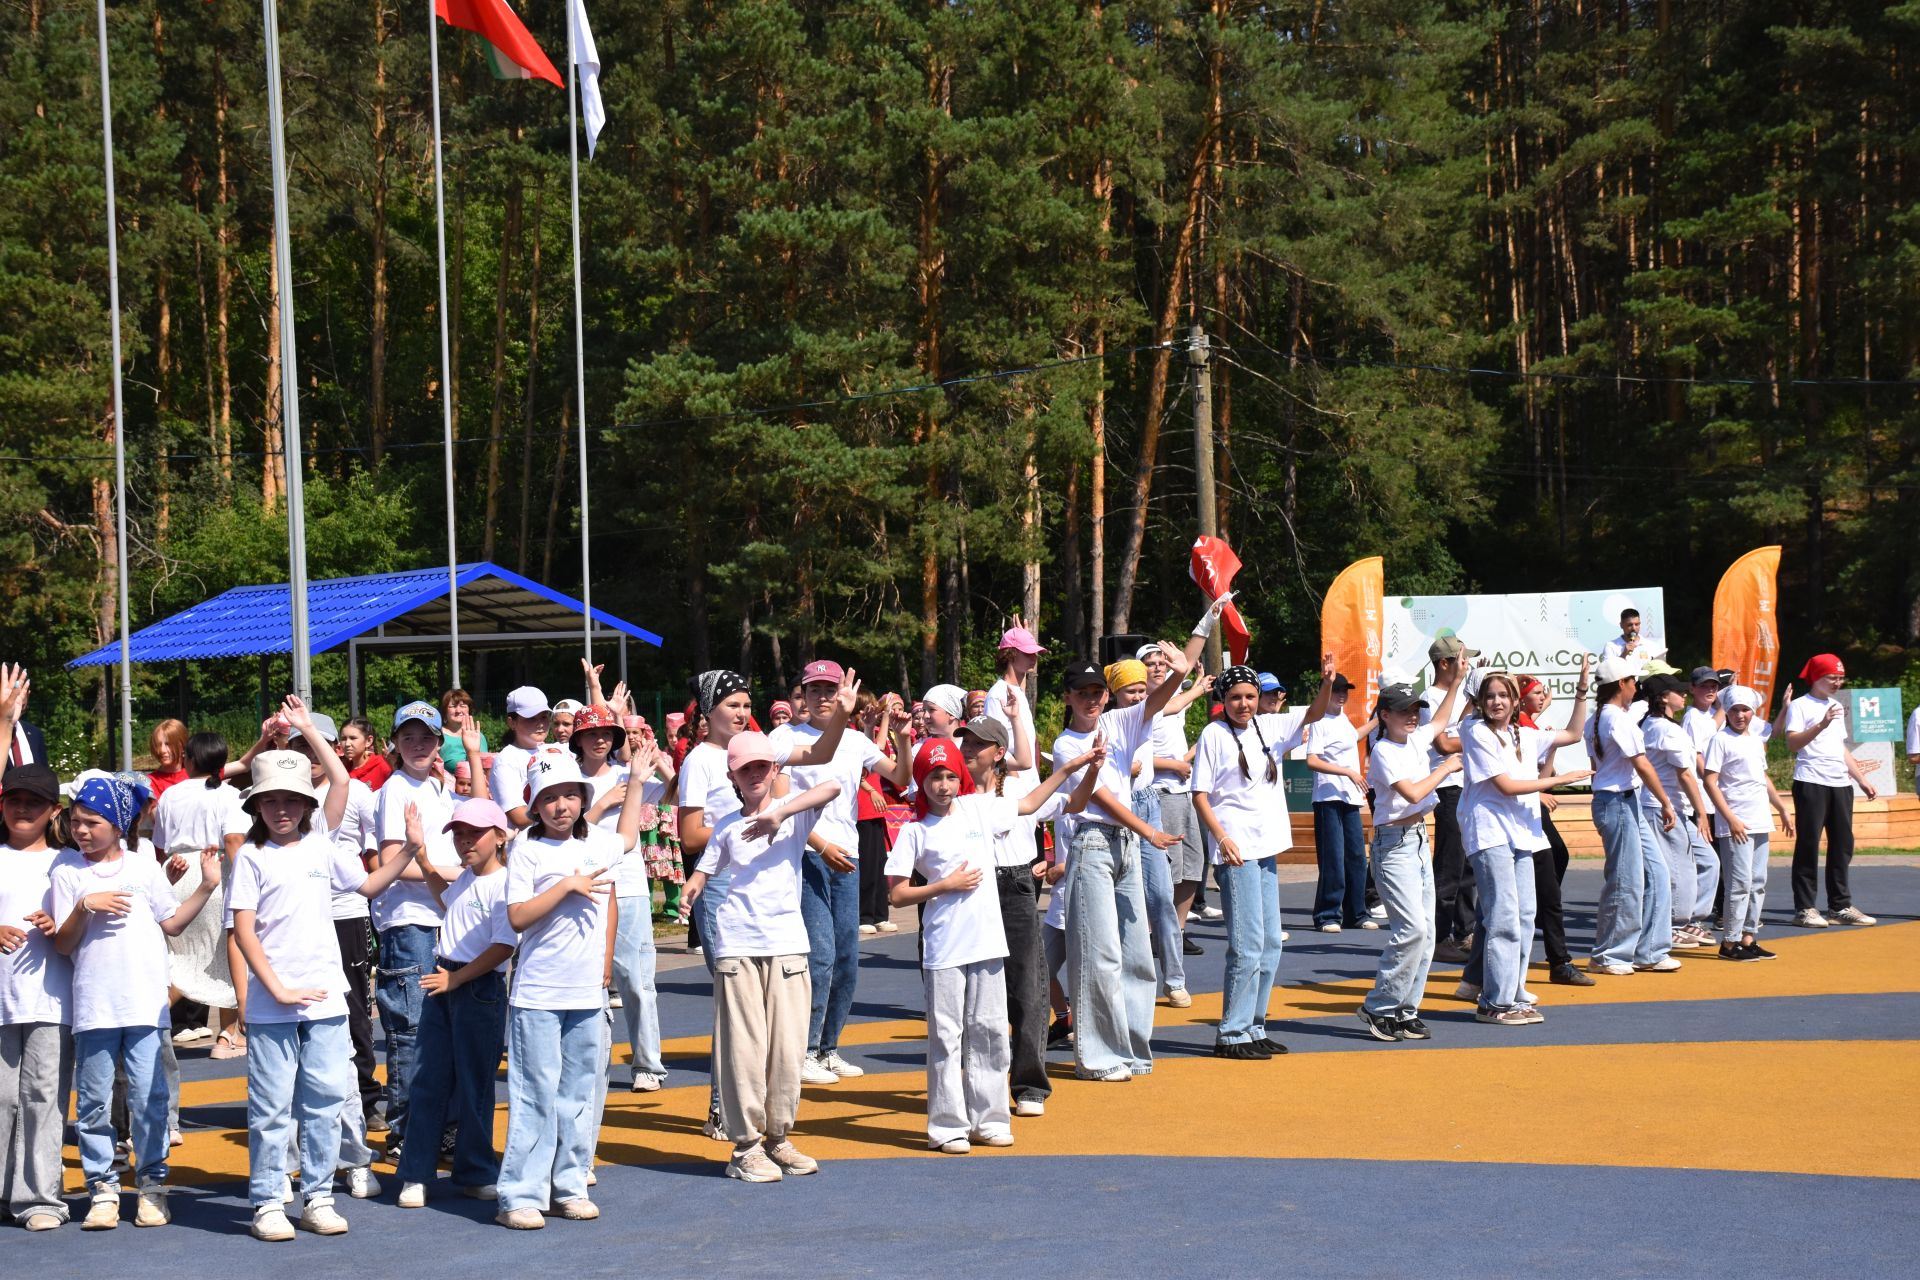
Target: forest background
x=1519, y=295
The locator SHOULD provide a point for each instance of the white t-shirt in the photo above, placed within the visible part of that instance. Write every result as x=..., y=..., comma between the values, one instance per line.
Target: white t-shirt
x=357, y=834
x=1649, y=647
x=36, y=981
x=290, y=889
x=564, y=955
x=1614, y=770
x=760, y=915
x=1251, y=811
x=1127, y=730
x=1913, y=733
x=1488, y=816
x=1170, y=743
x=190, y=815
x=1822, y=761
x=1429, y=703
x=852, y=759
x=958, y=928
x=1699, y=727
x=507, y=777
x=120, y=964
x=1741, y=761
x=476, y=917
x=1392, y=762
x=1335, y=740
x=997, y=710
x=411, y=901
x=1670, y=752
x=1013, y=842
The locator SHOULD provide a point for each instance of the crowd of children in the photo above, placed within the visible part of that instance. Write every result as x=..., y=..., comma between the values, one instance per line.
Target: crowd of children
x=508, y=897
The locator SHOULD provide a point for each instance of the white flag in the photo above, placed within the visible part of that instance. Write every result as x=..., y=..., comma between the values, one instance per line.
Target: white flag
x=587, y=58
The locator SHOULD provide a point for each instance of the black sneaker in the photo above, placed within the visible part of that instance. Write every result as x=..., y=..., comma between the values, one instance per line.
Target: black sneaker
x=1239, y=1051
x=1757, y=952
x=1565, y=975
x=1272, y=1048
x=1414, y=1029
x=1188, y=947
x=1736, y=951
x=1060, y=1033
x=1377, y=1027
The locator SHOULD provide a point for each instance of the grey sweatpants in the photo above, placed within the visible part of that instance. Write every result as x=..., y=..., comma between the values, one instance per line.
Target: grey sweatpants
x=36, y=1077
x=968, y=1052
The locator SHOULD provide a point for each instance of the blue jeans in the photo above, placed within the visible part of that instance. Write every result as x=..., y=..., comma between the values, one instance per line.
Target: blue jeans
x=1109, y=959
x=1341, y=843
x=553, y=1061
x=634, y=961
x=1250, y=894
x=406, y=952
x=298, y=1074
x=1156, y=879
x=95, y=1054
x=1634, y=923
x=1503, y=879
x=461, y=1035
x=830, y=904
x=1403, y=874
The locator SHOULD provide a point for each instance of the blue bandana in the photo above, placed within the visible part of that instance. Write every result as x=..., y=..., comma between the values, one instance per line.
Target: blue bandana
x=117, y=801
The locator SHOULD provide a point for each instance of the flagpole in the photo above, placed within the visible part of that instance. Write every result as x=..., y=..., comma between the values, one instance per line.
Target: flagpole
x=302, y=649
x=446, y=355
x=119, y=418
x=579, y=329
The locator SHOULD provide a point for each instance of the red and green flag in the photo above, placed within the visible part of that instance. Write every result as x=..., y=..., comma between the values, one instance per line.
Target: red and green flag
x=511, y=50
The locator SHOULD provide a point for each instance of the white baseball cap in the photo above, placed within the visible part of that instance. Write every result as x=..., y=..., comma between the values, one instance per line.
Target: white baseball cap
x=527, y=702
x=1615, y=669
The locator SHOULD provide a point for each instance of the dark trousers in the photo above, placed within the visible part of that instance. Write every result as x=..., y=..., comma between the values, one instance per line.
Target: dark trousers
x=1817, y=809
x=1341, y=846
x=873, y=870
x=462, y=1033
x=1549, y=869
x=1026, y=972
x=1453, y=896
x=356, y=957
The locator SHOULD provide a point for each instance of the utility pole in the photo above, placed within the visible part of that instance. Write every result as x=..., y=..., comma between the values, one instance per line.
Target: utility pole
x=1197, y=357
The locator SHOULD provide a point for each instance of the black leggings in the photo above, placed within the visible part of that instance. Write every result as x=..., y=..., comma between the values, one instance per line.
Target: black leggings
x=1549, y=869
x=873, y=870
x=1818, y=809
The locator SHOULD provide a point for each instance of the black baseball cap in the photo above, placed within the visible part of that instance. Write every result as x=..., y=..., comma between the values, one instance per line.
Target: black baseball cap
x=1703, y=675
x=1398, y=697
x=1341, y=684
x=1080, y=675
x=33, y=778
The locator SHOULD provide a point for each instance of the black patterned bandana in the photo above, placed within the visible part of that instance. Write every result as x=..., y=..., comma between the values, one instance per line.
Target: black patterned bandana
x=711, y=688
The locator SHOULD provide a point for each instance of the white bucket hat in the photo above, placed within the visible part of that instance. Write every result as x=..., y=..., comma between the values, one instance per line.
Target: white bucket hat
x=552, y=769
x=287, y=771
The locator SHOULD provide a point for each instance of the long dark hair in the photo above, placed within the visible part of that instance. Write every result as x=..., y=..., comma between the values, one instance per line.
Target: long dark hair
x=1253, y=722
x=1602, y=699
x=258, y=835
x=207, y=758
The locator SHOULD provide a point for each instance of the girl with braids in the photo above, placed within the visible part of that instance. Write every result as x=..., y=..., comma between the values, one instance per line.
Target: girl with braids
x=1633, y=928
x=957, y=835
x=724, y=704
x=1239, y=798
x=1500, y=826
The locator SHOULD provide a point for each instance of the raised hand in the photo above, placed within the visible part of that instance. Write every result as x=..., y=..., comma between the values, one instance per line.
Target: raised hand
x=849, y=695
x=14, y=687
x=1327, y=672
x=1177, y=659
x=176, y=867
x=620, y=701
x=294, y=711
x=416, y=830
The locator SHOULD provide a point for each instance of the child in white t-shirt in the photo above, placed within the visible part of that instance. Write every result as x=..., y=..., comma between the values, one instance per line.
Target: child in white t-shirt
x=560, y=900
x=759, y=949
x=529, y=716
x=463, y=1023
x=954, y=839
x=116, y=913
x=1740, y=791
x=300, y=1068
x=36, y=995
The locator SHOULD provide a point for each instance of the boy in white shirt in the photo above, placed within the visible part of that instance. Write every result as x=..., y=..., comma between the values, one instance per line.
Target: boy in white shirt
x=1333, y=754
x=1823, y=774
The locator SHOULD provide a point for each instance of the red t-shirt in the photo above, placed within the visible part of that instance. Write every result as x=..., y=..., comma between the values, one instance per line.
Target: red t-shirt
x=161, y=781
x=374, y=771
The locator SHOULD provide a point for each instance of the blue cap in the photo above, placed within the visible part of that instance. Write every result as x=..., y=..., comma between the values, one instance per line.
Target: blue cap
x=425, y=712
x=1270, y=683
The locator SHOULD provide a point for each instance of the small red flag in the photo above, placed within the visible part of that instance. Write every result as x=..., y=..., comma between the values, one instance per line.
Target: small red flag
x=1212, y=568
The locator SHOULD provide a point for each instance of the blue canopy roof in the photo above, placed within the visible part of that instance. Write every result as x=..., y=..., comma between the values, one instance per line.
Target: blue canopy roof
x=494, y=602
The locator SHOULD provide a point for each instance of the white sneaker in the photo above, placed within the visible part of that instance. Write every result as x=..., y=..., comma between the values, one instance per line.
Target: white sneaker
x=615, y=1002
x=751, y=1164
x=814, y=1071
x=270, y=1223
x=1029, y=1107
x=1213, y=913
x=1467, y=991
x=1611, y=968
x=104, y=1213
x=1854, y=915
x=1528, y=998
x=1112, y=1075
x=323, y=1219
x=1180, y=998
x=1378, y=913
x=413, y=1195
x=361, y=1184
x=647, y=1082
x=887, y=926
x=1665, y=964
x=1331, y=926
x=1368, y=923
x=1810, y=919
x=840, y=1066
x=993, y=1138
x=952, y=1147
x=867, y=930
x=151, y=1208
x=1193, y=917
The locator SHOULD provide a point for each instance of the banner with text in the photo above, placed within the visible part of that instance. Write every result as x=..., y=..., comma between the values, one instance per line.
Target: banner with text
x=1540, y=633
